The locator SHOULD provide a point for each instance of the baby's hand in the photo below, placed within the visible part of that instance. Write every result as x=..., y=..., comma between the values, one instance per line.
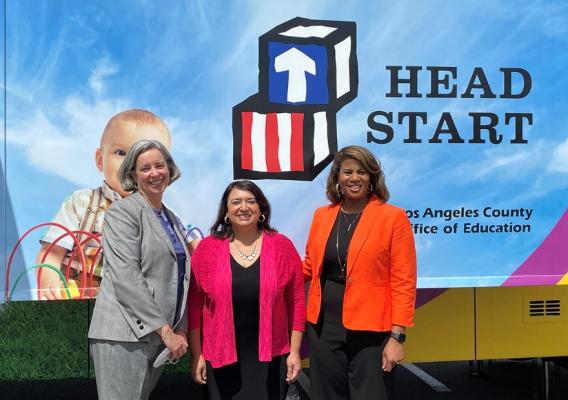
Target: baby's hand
x=51, y=291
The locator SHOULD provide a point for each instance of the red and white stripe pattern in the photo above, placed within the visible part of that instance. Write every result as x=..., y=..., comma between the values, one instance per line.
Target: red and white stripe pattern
x=274, y=142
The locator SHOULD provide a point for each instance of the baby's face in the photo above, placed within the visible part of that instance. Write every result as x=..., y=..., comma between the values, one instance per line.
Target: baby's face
x=116, y=143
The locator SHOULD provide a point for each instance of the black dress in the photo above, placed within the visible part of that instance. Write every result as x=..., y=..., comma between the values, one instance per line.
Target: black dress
x=248, y=378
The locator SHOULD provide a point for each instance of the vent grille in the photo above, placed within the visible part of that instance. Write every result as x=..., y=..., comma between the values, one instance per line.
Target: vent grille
x=544, y=308
x=546, y=305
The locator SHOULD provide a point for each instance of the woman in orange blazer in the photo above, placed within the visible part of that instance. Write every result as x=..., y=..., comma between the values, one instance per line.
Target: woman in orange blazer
x=361, y=264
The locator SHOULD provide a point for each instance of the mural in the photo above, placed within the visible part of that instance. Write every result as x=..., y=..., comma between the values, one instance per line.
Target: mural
x=455, y=100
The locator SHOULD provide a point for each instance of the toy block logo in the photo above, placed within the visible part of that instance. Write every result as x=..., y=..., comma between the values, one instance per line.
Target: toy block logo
x=305, y=61
x=282, y=142
x=307, y=73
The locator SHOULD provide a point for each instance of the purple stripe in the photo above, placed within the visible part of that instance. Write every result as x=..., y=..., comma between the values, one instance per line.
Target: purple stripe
x=548, y=263
x=423, y=296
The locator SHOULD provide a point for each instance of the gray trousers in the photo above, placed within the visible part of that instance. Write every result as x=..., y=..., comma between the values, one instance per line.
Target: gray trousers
x=123, y=370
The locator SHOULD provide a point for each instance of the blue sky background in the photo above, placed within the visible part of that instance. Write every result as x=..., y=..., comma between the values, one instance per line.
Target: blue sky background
x=72, y=65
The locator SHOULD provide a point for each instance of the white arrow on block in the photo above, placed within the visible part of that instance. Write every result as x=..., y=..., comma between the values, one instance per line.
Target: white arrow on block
x=297, y=64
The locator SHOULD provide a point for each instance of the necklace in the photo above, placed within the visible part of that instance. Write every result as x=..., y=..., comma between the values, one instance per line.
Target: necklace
x=251, y=256
x=344, y=214
x=343, y=264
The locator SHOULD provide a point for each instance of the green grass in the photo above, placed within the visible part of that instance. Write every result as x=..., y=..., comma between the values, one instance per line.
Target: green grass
x=48, y=340
x=44, y=340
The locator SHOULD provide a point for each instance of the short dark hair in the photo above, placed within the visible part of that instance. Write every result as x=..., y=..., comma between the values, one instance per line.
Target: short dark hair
x=369, y=163
x=223, y=230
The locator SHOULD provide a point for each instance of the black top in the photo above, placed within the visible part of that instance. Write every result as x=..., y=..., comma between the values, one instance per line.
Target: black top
x=337, y=247
x=246, y=291
x=248, y=378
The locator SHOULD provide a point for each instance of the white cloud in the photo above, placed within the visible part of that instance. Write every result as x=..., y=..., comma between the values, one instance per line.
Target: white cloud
x=548, y=17
x=204, y=24
x=52, y=64
x=103, y=70
x=422, y=244
x=559, y=162
x=262, y=17
x=496, y=163
x=65, y=149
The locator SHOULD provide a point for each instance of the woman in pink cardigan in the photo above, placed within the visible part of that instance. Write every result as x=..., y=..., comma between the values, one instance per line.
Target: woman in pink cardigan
x=246, y=302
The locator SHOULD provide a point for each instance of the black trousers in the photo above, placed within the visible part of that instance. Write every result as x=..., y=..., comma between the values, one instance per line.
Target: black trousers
x=345, y=364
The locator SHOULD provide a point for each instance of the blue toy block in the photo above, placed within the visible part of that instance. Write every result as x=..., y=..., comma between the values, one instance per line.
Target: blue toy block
x=309, y=62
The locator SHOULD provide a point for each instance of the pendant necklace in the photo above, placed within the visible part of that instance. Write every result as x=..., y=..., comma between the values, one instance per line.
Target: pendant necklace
x=343, y=264
x=345, y=214
x=251, y=256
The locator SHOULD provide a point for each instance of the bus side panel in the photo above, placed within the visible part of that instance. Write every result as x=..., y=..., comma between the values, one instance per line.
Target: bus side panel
x=444, y=328
x=522, y=322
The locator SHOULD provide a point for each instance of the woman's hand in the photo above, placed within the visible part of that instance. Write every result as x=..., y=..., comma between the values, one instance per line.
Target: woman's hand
x=198, y=369
x=294, y=365
x=175, y=341
x=393, y=354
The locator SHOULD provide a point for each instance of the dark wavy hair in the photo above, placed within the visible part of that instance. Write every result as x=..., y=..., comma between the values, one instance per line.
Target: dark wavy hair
x=223, y=230
x=369, y=163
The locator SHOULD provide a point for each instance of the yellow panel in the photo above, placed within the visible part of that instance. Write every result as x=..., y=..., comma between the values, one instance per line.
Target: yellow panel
x=510, y=323
x=564, y=280
x=444, y=328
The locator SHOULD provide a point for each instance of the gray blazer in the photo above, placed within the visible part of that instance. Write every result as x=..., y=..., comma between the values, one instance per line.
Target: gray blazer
x=139, y=287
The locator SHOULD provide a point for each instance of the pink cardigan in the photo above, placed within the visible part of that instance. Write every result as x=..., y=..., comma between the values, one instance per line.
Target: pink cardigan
x=282, y=303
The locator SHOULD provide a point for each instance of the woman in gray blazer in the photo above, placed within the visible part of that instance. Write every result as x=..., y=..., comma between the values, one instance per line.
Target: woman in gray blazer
x=141, y=306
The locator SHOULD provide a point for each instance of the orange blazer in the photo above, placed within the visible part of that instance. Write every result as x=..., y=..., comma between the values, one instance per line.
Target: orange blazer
x=380, y=287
